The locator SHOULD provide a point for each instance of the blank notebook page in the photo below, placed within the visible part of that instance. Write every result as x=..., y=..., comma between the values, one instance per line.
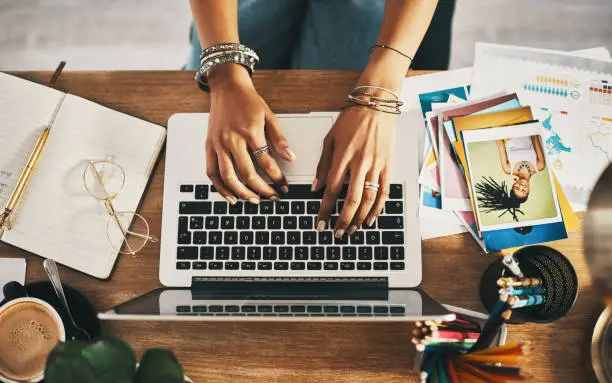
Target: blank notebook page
x=58, y=218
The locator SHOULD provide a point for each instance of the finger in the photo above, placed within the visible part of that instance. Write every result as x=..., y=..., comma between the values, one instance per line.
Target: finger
x=249, y=175
x=353, y=199
x=383, y=194
x=212, y=171
x=228, y=174
x=278, y=141
x=268, y=164
x=335, y=181
x=367, y=201
x=323, y=166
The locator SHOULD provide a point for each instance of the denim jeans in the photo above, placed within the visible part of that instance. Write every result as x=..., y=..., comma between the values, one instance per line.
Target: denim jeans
x=326, y=34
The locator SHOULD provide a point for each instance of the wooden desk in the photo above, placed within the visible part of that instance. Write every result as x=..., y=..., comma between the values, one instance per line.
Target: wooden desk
x=224, y=352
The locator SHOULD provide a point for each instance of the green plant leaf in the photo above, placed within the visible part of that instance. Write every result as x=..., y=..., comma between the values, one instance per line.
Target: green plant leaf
x=113, y=378
x=65, y=367
x=159, y=366
x=71, y=348
x=110, y=356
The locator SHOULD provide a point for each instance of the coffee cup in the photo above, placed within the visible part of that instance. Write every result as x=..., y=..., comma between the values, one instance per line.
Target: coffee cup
x=29, y=329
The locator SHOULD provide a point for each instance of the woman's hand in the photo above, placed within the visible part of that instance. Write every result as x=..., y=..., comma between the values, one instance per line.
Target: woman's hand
x=360, y=143
x=240, y=122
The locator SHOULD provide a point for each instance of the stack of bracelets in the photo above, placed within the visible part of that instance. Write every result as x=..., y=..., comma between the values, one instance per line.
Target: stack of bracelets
x=224, y=53
x=363, y=96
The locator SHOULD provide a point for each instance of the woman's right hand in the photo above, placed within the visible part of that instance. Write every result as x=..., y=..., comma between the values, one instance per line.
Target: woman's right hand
x=240, y=122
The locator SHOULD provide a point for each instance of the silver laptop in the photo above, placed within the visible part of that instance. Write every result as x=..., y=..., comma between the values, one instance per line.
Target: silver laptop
x=267, y=261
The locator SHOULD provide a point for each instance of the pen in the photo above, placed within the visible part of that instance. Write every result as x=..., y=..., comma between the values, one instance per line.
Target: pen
x=22, y=182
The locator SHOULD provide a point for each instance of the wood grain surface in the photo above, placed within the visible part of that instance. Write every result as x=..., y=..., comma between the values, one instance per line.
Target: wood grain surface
x=318, y=352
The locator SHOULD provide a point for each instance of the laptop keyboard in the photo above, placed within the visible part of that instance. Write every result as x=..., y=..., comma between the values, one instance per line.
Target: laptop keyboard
x=281, y=235
x=303, y=310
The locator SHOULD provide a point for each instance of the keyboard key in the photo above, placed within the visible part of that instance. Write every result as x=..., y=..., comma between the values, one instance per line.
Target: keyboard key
x=347, y=266
x=201, y=192
x=183, y=224
x=183, y=265
x=269, y=253
x=393, y=237
x=397, y=253
x=264, y=309
x=199, y=265
x=282, y=207
x=281, y=266
x=236, y=208
x=330, y=309
x=278, y=237
x=232, y=308
x=227, y=223
x=215, y=265
x=342, y=240
x=298, y=265
x=259, y=223
x=254, y=253
x=330, y=265
x=365, y=226
x=232, y=265
x=381, y=266
x=281, y=309
x=274, y=223
x=391, y=222
x=314, y=309
x=333, y=253
x=365, y=253
x=301, y=253
x=294, y=237
x=186, y=252
x=195, y=208
x=364, y=265
x=317, y=253
x=199, y=238
x=333, y=220
x=347, y=309
x=238, y=253
x=183, y=309
x=262, y=238
x=207, y=252
x=325, y=238
x=397, y=310
x=230, y=237
x=266, y=207
x=248, y=309
x=215, y=308
x=220, y=207
x=264, y=265
x=222, y=253
x=243, y=223
x=394, y=207
x=186, y=188
x=381, y=309
x=381, y=253
x=196, y=223
x=312, y=207
x=215, y=237
x=372, y=237
x=314, y=265
x=200, y=309
x=285, y=253
x=397, y=265
x=184, y=238
x=212, y=223
x=289, y=223
x=246, y=237
x=250, y=208
x=364, y=310
x=248, y=265
x=357, y=238
x=298, y=309
x=309, y=237
x=298, y=207
x=306, y=223
x=349, y=253
x=395, y=191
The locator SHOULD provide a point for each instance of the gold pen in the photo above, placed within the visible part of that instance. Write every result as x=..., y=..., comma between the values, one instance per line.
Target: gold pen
x=22, y=182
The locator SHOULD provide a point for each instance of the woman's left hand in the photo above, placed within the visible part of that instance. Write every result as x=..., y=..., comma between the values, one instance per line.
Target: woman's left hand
x=360, y=143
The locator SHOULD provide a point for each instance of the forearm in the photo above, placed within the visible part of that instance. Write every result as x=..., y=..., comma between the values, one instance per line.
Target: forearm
x=403, y=28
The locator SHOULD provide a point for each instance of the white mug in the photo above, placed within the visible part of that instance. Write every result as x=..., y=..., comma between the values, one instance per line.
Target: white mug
x=53, y=313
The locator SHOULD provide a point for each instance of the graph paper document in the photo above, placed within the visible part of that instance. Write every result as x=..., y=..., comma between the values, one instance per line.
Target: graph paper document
x=570, y=94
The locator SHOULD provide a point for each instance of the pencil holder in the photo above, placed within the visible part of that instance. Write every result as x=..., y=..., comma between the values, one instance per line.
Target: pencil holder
x=557, y=292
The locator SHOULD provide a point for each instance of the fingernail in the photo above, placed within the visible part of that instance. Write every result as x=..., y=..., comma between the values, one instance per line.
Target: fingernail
x=290, y=154
x=284, y=189
x=274, y=198
x=321, y=226
x=231, y=199
x=339, y=233
x=314, y=184
x=254, y=201
x=352, y=229
x=371, y=221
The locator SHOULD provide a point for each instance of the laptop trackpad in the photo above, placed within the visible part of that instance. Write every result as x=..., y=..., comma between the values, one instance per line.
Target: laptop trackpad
x=305, y=136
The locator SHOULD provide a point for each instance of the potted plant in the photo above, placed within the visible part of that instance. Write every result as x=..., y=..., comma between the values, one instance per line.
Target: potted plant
x=110, y=360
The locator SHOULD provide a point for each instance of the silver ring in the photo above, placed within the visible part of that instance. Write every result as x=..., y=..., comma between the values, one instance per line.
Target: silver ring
x=372, y=186
x=261, y=151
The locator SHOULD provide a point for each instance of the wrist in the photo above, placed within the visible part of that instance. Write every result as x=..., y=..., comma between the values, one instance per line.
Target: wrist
x=228, y=74
x=386, y=68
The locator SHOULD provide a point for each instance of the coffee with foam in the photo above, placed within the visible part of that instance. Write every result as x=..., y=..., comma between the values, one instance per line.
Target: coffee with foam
x=28, y=333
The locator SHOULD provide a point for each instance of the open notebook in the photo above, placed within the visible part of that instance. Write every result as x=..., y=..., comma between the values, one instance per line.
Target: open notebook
x=56, y=217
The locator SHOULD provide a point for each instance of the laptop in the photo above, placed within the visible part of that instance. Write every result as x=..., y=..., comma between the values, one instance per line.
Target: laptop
x=267, y=261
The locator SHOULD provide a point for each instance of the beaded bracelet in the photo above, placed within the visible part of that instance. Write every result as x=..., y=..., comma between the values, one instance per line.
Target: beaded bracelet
x=224, y=53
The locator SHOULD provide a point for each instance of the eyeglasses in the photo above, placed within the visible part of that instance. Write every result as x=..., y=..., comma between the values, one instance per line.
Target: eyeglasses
x=127, y=231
